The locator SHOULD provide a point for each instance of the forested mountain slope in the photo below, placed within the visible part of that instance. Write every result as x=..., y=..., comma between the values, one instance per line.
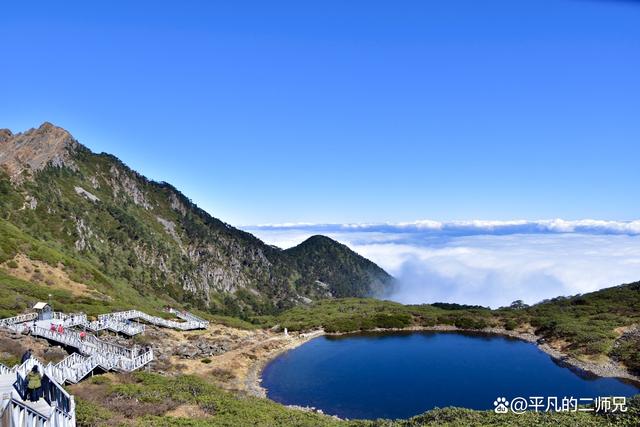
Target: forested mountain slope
x=89, y=220
x=330, y=262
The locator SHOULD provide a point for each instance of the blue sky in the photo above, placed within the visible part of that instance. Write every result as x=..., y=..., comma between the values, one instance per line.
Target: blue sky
x=335, y=111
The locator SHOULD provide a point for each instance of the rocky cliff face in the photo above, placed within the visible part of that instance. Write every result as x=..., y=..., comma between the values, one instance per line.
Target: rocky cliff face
x=24, y=154
x=150, y=236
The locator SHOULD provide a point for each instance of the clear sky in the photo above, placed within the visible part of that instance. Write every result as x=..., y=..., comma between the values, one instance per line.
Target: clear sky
x=345, y=111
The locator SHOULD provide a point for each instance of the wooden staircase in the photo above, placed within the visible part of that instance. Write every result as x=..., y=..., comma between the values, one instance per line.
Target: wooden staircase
x=56, y=407
x=190, y=321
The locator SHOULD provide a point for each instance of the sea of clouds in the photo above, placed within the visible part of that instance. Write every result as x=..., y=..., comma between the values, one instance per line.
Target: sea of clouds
x=489, y=263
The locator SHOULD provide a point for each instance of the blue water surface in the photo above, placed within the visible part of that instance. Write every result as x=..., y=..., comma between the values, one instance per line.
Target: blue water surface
x=399, y=375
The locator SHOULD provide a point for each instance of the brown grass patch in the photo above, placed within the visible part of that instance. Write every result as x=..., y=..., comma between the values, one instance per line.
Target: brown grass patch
x=187, y=411
x=41, y=272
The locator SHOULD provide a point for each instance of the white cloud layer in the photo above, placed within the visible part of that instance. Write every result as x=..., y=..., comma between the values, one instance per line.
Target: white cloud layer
x=487, y=262
x=590, y=226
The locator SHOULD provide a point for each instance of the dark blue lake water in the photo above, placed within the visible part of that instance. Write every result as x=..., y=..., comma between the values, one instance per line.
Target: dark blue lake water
x=401, y=375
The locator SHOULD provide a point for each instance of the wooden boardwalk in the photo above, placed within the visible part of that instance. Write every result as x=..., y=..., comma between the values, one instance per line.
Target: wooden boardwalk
x=57, y=407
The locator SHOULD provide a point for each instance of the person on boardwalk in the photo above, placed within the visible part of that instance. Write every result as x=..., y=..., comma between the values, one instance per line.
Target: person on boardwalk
x=60, y=329
x=34, y=384
x=26, y=356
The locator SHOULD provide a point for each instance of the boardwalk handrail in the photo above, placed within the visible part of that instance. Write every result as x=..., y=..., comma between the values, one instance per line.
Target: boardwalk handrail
x=52, y=392
x=99, y=353
x=66, y=338
x=137, y=314
x=132, y=365
x=69, y=320
x=185, y=315
x=72, y=359
x=20, y=318
x=43, y=417
x=114, y=325
x=89, y=345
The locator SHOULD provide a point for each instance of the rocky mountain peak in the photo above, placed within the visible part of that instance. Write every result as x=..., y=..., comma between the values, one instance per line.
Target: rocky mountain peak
x=25, y=153
x=5, y=134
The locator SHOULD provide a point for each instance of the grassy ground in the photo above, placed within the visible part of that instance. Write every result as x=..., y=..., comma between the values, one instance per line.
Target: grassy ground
x=16, y=295
x=145, y=399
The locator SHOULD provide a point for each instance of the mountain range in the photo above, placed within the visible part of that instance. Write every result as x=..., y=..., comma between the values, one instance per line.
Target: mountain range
x=102, y=227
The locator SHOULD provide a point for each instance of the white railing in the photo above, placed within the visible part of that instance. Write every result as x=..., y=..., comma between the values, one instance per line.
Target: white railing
x=113, y=321
x=21, y=318
x=136, y=363
x=75, y=367
x=92, y=352
x=114, y=325
x=89, y=345
x=100, y=353
x=21, y=415
x=72, y=359
x=68, y=338
x=61, y=402
x=71, y=319
x=136, y=314
x=185, y=315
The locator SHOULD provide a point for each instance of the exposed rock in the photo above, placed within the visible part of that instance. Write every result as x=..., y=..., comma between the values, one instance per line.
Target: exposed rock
x=30, y=202
x=170, y=228
x=202, y=348
x=187, y=351
x=82, y=192
x=94, y=182
x=23, y=154
x=305, y=300
x=5, y=134
x=122, y=182
x=176, y=204
x=84, y=234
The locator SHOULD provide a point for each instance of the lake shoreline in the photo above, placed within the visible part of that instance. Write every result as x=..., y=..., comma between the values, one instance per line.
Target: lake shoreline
x=253, y=381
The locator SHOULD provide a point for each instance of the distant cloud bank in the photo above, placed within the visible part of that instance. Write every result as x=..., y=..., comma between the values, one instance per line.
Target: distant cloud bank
x=474, y=227
x=486, y=262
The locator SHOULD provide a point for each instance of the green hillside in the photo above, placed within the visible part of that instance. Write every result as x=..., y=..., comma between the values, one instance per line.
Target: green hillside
x=345, y=272
x=131, y=239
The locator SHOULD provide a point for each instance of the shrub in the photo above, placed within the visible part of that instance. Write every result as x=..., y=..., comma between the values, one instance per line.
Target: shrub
x=100, y=379
x=399, y=320
x=91, y=414
x=342, y=325
x=470, y=323
x=206, y=360
x=510, y=324
x=428, y=321
x=12, y=264
x=628, y=352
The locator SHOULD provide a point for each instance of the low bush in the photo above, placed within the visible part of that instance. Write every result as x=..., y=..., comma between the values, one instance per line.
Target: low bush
x=470, y=323
x=100, y=379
